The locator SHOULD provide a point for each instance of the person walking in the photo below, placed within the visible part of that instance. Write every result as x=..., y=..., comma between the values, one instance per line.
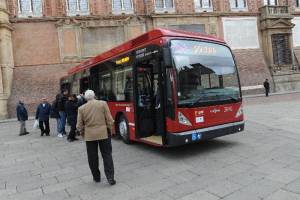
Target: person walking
x=22, y=116
x=267, y=87
x=61, y=109
x=95, y=122
x=42, y=114
x=71, y=107
x=55, y=115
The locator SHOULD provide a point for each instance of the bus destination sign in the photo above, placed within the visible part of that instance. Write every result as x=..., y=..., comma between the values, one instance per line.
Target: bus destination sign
x=194, y=48
x=122, y=60
x=145, y=53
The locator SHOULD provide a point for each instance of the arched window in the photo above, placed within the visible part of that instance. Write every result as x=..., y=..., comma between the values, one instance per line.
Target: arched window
x=30, y=8
x=77, y=7
x=122, y=6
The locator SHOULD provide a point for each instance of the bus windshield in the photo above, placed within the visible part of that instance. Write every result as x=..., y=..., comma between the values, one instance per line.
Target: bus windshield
x=206, y=73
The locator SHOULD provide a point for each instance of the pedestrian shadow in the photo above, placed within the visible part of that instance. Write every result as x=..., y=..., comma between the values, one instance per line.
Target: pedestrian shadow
x=189, y=150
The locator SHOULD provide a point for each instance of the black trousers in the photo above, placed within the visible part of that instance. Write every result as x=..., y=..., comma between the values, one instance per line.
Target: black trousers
x=93, y=159
x=72, y=133
x=267, y=92
x=45, y=130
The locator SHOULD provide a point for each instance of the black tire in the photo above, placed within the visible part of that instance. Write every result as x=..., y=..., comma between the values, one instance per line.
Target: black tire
x=123, y=129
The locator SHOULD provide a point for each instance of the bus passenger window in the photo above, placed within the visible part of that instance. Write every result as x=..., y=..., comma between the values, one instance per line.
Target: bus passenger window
x=105, y=87
x=122, y=84
x=128, y=91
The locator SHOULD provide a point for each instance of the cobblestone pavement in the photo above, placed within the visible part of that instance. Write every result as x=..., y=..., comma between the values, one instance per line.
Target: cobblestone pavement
x=263, y=162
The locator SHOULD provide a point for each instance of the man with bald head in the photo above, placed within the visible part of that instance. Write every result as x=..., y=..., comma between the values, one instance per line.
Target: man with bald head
x=42, y=114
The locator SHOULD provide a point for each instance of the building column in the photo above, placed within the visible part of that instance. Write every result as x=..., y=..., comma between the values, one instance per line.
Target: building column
x=6, y=59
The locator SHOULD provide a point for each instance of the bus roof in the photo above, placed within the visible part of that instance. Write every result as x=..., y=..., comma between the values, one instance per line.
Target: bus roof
x=139, y=41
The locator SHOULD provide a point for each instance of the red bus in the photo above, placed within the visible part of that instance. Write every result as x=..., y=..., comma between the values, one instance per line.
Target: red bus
x=166, y=87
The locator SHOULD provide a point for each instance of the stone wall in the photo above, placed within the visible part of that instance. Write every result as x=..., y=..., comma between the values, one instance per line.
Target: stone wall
x=35, y=43
x=252, y=69
x=31, y=83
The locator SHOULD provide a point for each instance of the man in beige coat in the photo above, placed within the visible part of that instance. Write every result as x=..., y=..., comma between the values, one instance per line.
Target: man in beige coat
x=95, y=122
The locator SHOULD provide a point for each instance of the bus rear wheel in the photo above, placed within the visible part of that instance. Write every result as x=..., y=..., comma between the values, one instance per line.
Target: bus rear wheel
x=123, y=129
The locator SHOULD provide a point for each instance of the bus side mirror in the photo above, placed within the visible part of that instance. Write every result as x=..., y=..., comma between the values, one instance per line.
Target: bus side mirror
x=167, y=57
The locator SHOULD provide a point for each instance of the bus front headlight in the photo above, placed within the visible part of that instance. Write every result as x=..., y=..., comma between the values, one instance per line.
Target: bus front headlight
x=183, y=120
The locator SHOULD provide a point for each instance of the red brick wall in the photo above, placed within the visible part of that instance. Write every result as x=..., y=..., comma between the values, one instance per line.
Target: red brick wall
x=225, y=6
x=150, y=6
x=45, y=84
x=104, y=7
x=139, y=6
x=35, y=43
x=253, y=5
x=12, y=7
x=186, y=6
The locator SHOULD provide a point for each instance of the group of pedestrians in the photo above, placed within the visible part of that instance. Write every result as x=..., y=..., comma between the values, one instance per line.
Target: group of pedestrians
x=94, y=125
x=64, y=109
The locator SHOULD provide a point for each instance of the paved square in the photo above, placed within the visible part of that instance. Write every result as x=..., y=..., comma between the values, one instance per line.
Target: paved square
x=263, y=162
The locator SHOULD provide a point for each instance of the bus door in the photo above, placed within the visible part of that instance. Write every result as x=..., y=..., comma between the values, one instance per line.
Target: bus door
x=144, y=101
x=149, y=107
x=145, y=107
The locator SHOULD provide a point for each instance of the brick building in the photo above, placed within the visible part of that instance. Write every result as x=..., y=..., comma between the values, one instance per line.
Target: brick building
x=47, y=37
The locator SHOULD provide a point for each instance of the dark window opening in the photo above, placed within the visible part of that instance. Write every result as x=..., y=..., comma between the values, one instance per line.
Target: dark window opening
x=281, y=49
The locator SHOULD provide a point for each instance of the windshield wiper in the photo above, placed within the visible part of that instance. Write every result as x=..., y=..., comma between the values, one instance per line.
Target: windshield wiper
x=220, y=99
x=197, y=101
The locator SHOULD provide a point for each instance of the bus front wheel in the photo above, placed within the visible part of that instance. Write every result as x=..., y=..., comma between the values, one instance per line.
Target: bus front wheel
x=124, y=130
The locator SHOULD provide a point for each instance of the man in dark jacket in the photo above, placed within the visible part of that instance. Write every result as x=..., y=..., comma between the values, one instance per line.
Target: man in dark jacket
x=22, y=116
x=42, y=114
x=267, y=87
x=71, y=107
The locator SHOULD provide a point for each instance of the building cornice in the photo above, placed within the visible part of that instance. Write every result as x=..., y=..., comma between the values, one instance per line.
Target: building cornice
x=207, y=14
x=73, y=18
x=124, y=17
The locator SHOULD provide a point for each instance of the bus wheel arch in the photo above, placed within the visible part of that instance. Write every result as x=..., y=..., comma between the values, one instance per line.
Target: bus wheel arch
x=122, y=128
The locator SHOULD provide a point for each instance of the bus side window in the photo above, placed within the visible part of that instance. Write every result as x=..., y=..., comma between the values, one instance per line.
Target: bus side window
x=128, y=90
x=119, y=87
x=105, y=92
x=122, y=84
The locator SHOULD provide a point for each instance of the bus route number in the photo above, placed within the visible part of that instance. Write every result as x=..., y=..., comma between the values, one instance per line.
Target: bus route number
x=204, y=50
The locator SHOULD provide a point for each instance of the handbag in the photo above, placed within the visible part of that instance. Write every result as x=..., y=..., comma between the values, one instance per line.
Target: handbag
x=36, y=124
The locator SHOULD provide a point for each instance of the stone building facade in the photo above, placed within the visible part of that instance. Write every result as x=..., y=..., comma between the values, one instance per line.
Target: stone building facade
x=44, y=38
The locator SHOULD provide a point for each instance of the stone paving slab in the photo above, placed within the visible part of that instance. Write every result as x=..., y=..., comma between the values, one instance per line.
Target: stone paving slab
x=263, y=162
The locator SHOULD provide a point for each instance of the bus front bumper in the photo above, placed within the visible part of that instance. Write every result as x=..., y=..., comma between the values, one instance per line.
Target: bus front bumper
x=177, y=139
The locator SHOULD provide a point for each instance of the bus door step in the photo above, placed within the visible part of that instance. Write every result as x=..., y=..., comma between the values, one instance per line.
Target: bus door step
x=153, y=139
